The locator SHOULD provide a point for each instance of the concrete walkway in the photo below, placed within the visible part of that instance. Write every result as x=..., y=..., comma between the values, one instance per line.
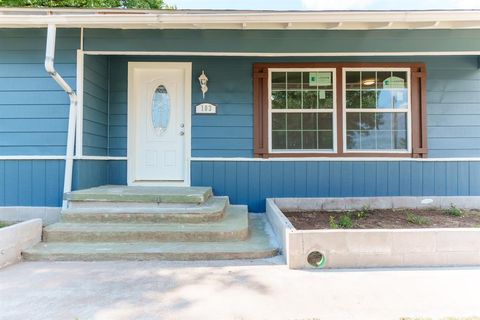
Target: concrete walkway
x=263, y=289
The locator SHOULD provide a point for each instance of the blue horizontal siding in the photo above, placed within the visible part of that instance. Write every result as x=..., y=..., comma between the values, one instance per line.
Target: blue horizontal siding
x=95, y=106
x=453, y=99
x=33, y=108
x=251, y=182
x=287, y=41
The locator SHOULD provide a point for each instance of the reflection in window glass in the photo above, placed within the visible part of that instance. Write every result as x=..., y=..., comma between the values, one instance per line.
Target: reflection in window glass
x=371, y=97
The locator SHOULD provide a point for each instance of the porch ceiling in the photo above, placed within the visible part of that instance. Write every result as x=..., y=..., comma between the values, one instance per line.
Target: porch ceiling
x=253, y=20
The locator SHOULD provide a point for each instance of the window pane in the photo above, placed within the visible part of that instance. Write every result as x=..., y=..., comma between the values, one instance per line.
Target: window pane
x=309, y=99
x=353, y=139
x=367, y=121
x=294, y=80
x=381, y=77
x=325, y=99
x=279, y=80
x=401, y=75
x=353, y=99
x=352, y=80
x=384, y=99
x=294, y=99
x=309, y=139
x=399, y=121
x=325, y=140
x=400, y=99
x=383, y=120
x=353, y=121
x=279, y=140
x=294, y=121
x=279, y=121
x=368, y=80
x=294, y=139
x=369, y=99
x=325, y=121
x=279, y=100
x=368, y=140
x=309, y=121
x=384, y=139
x=399, y=140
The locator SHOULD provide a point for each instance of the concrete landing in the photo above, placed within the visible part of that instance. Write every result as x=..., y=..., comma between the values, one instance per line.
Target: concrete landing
x=234, y=226
x=113, y=193
x=260, y=244
x=211, y=210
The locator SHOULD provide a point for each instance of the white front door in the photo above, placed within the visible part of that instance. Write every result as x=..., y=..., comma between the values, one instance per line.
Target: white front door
x=159, y=123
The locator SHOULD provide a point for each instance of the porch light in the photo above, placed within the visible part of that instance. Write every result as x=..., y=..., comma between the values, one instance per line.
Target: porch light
x=203, y=83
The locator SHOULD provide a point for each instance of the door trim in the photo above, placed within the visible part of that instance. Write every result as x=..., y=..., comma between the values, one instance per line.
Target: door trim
x=187, y=68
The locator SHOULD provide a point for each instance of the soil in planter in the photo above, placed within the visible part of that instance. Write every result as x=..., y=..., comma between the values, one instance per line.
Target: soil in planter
x=383, y=219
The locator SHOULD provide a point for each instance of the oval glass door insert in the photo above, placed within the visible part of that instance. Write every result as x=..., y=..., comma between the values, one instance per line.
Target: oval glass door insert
x=160, y=109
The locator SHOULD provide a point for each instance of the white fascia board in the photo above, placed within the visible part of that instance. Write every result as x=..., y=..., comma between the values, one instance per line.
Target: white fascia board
x=301, y=20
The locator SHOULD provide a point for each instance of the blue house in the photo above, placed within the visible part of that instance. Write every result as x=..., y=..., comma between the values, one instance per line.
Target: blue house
x=255, y=104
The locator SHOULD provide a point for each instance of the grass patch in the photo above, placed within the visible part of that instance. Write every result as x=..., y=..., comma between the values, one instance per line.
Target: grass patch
x=345, y=222
x=454, y=211
x=418, y=220
x=3, y=224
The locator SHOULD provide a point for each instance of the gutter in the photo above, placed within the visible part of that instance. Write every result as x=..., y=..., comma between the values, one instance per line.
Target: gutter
x=50, y=68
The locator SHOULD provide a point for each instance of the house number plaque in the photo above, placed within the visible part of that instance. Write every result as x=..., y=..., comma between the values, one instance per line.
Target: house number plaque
x=206, y=108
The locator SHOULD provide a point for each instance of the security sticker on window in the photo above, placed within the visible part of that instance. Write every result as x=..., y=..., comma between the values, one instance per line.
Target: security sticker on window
x=320, y=79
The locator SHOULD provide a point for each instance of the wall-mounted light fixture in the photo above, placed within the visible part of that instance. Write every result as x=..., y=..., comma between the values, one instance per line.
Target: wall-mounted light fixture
x=203, y=83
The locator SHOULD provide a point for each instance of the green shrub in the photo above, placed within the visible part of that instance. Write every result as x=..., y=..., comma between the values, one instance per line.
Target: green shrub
x=454, y=211
x=3, y=224
x=414, y=219
x=362, y=213
x=345, y=222
x=332, y=223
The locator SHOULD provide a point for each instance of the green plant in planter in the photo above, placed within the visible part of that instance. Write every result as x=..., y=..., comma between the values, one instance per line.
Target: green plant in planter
x=362, y=213
x=345, y=222
x=454, y=211
x=414, y=219
x=332, y=223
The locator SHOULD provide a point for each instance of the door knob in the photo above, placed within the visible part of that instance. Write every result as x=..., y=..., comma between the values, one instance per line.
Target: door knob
x=182, y=133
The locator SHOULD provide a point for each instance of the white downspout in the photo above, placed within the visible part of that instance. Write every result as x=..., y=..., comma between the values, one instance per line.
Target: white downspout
x=50, y=67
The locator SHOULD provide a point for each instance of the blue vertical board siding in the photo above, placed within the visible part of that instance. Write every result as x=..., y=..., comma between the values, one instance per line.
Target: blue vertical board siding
x=251, y=182
x=95, y=105
x=37, y=183
x=33, y=108
x=90, y=173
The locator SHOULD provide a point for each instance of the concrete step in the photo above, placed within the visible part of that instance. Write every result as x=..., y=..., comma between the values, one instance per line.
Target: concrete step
x=211, y=210
x=234, y=226
x=112, y=193
x=260, y=244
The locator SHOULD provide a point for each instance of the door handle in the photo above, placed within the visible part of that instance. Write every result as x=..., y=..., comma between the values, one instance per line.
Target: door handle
x=182, y=133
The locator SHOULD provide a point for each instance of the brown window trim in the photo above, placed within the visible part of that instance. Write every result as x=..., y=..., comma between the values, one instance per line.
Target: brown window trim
x=418, y=108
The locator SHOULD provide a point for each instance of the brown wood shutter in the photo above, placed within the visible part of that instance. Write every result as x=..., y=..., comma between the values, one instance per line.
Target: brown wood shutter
x=419, y=112
x=260, y=110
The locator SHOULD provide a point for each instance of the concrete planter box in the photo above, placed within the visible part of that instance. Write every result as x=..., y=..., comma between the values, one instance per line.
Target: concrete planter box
x=16, y=238
x=375, y=247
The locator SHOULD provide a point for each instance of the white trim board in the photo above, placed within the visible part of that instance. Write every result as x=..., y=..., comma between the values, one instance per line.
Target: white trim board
x=333, y=159
x=284, y=54
x=365, y=159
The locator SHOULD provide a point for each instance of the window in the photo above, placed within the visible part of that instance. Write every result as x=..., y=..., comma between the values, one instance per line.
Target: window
x=340, y=109
x=302, y=106
x=377, y=110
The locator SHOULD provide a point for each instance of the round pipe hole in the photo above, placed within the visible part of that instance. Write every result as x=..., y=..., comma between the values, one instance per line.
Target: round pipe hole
x=316, y=259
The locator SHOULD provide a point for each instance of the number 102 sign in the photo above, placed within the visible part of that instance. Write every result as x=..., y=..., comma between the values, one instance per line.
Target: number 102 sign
x=205, y=108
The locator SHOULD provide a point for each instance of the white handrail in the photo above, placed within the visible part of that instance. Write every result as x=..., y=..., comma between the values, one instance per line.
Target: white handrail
x=50, y=67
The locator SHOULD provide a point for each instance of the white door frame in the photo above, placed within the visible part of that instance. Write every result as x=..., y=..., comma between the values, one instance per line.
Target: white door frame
x=131, y=113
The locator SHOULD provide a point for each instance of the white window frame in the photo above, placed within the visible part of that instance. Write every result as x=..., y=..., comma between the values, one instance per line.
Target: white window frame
x=408, y=111
x=332, y=110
